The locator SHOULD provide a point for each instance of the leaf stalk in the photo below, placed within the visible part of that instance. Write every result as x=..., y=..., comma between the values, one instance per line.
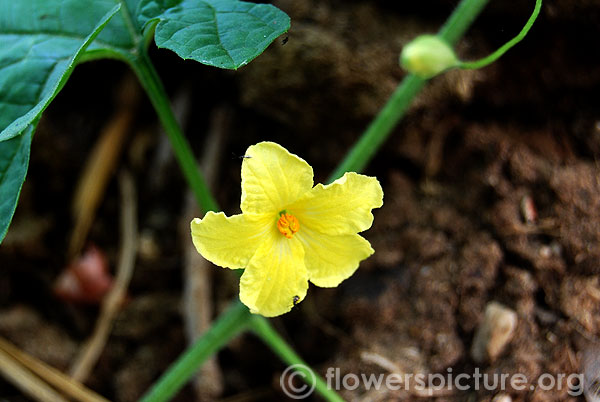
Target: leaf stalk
x=151, y=82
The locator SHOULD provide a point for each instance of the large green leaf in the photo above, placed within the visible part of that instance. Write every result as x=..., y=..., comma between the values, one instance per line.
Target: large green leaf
x=41, y=41
x=220, y=33
x=14, y=159
x=37, y=54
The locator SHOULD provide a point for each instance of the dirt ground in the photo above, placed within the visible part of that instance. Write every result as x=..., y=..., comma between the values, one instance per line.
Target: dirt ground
x=492, y=195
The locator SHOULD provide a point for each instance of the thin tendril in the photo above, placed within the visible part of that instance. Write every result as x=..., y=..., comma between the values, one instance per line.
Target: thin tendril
x=504, y=48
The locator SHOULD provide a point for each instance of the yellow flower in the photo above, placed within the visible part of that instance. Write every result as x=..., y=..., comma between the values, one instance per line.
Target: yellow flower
x=289, y=232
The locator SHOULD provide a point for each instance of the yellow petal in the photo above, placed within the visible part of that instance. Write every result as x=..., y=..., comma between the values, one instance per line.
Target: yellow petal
x=229, y=242
x=272, y=178
x=331, y=259
x=342, y=207
x=275, y=278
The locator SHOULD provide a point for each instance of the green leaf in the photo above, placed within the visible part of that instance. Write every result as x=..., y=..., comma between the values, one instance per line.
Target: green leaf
x=14, y=160
x=121, y=36
x=37, y=54
x=220, y=33
x=41, y=41
x=38, y=51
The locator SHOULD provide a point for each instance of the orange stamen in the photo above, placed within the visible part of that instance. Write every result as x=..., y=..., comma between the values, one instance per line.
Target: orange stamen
x=288, y=224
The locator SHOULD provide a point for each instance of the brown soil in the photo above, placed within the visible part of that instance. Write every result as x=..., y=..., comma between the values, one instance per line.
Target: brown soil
x=492, y=193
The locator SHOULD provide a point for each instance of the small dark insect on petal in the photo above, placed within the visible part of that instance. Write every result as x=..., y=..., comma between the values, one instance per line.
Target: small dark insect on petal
x=296, y=300
x=285, y=40
x=234, y=156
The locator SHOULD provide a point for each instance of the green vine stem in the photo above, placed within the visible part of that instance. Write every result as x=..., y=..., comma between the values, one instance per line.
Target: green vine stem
x=504, y=48
x=151, y=82
x=261, y=327
x=383, y=124
x=368, y=144
x=461, y=19
x=228, y=325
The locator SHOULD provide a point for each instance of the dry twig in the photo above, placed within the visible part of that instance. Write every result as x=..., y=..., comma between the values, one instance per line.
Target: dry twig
x=112, y=302
x=23, y=371
x=100, y=166
x=198, y=306
x=28, y=382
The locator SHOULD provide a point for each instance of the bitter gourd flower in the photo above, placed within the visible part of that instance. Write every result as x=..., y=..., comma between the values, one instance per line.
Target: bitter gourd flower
x=289, y=232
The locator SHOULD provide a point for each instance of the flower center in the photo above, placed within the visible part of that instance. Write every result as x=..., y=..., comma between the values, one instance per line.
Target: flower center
x=287, y=224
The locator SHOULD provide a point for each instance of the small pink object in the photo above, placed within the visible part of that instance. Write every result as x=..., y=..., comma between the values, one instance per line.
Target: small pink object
x=86, y=280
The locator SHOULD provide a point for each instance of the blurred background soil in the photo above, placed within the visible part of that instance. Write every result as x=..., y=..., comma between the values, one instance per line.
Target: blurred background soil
x=492, y=198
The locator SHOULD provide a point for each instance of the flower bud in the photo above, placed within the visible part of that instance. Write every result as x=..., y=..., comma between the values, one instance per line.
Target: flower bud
x=427, y=56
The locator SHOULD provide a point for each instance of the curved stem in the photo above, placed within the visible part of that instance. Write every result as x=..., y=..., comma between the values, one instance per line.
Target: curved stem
x=231, y=323
x=377, y=132
x=261, y=327
x=152, y=84
x=504, y=48
x=383, y=124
